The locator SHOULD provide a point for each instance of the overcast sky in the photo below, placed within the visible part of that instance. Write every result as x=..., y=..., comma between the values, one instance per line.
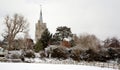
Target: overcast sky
x=99, y=17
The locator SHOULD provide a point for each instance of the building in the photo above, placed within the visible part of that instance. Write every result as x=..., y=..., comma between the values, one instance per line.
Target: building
x=40, y=27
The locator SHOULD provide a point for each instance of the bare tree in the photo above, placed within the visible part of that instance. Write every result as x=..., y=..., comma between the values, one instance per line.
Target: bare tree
x=89, y=41
x=14, y=25
x=112, y=43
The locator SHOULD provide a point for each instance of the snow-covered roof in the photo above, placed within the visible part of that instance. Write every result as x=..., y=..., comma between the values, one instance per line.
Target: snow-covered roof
x=67, y=39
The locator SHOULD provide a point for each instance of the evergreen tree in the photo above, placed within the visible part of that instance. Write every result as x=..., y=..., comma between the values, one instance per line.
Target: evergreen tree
x=62, y=32
x=43, y=41
x=45, y=38
x=72, y=43
x=38, y=46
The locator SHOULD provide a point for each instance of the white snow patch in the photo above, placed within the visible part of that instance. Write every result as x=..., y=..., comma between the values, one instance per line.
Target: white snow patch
x=39, y=66
x=37, y=55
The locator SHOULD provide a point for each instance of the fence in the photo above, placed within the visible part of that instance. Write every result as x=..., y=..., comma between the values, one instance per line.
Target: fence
x=102, y=64
x=98, y=64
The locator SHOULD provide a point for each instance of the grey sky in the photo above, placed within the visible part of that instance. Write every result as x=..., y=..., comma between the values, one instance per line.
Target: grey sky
x=99, y=17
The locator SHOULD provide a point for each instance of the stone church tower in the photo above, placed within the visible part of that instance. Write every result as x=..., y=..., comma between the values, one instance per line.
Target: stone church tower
x=40, y=27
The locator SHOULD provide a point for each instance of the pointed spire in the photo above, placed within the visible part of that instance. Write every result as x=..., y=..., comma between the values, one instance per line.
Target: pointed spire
x=41, y=19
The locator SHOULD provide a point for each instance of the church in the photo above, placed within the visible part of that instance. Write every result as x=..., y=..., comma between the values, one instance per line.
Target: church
x=39, y=27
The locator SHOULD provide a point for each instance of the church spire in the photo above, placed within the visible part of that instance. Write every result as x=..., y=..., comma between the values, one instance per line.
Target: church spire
x=41, y=19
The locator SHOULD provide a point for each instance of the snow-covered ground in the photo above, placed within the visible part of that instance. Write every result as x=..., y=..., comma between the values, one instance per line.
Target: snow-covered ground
x=66, y=62
x=41, y=66
x=38, y=63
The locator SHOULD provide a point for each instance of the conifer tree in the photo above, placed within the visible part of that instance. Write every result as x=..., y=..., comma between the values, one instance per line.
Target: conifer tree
x=43, y=41
x=38, y=46
x=45, y=38
x=62, y=32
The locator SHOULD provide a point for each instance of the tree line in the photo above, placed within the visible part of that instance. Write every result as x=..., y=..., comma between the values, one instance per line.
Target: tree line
x=84, y=47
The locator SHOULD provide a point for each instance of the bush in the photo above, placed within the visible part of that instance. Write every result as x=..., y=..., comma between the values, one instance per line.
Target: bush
x=49, y=50
x=29, y=54
x=113, y=47
x=75, y=53
x=42, y=54
x=15, y=56
x=91, y=55
x=60, y=52
x=113, y=53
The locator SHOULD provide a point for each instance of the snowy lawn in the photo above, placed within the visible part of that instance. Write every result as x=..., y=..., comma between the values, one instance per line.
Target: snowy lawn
x=41, y=66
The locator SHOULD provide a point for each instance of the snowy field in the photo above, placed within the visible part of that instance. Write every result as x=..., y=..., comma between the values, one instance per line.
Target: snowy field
x=55, y=63
x=38, y=63
x=41, y=66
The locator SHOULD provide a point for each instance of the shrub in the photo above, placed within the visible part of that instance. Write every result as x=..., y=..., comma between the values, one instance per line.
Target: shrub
x=91, y=55
x=60, y=52
x=78, y=53
x=15, y=56
x=49, y=50
x=42, y=54
x=102, y=56
x=29, y=54
x=75, y=54
x=113, y=47
x=113, y=53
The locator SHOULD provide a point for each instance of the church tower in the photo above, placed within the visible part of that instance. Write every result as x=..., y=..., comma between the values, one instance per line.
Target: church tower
x=40, y=27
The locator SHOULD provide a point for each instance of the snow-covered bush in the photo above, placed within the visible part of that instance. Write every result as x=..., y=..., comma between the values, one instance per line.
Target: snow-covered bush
x=90, y=55
x=114, y=54
x=14, y=54
x=118, y=60
x=78, y=53
x=37, y=55
x=29, y=54
x=102, y=55
x=49, y=50
x=56, y=51
x=75, y=53
x=60, y=52
x=42, y=54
